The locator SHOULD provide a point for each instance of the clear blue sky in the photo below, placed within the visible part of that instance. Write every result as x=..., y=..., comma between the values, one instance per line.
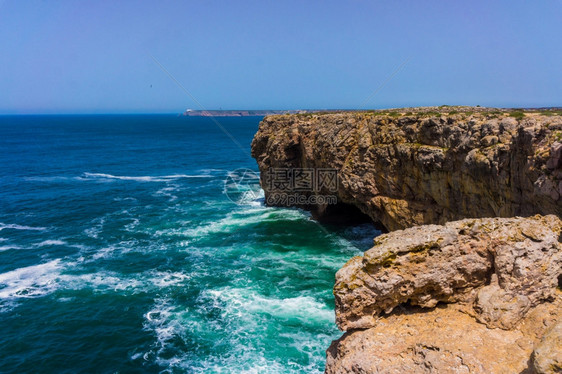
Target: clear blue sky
x=94, y=56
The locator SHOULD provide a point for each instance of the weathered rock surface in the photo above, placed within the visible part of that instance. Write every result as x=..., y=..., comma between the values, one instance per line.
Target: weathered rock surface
x=418, y=166
x=547, y=357
x=498, y=267
x=444, y=340
x=472, y=296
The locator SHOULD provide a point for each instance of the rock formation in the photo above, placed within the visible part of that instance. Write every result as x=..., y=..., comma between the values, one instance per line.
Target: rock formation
x=452, y=291
x=420, y=166
x=472, y=296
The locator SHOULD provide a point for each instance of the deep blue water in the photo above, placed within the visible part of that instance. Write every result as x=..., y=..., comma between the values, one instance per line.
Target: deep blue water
x=120, y=252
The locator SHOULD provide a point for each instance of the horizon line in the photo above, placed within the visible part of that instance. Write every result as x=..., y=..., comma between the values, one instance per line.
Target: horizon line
x=263, y=110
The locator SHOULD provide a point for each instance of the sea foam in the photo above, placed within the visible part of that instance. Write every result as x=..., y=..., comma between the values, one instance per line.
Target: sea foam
x=30, y=281
x=51, y=242
x=161, y=178
x=4, y=226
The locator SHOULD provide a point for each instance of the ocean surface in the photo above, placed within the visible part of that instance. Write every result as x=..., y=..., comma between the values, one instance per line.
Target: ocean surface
x=120, y=252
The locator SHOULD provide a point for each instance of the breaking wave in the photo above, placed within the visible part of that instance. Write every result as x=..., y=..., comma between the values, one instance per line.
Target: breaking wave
x=162, y=178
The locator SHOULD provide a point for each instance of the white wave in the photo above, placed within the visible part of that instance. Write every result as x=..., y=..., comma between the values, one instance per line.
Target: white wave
x=102, y=281
x=166, y=191
x=130, y=226
x=51, y=242
x=167, y=279
x=235, y=220
x=30, y=281
x=244, y=313
x=214, y=171
x=50, y=179
x=105, y=252
x=180, y=176
x=296, y=260
x=247, y=302
x=124, y=199
x=43, y=279
x=8, y=247
x=108, y=280
x=161, y=178
x=94, y=231
x=165, y=322
x=20, y=227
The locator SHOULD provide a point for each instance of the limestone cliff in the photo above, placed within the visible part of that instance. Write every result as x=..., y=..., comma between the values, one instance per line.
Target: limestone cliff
x=423, y=165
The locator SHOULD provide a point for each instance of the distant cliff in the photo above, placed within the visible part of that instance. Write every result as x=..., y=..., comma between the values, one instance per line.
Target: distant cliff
x=414, y=166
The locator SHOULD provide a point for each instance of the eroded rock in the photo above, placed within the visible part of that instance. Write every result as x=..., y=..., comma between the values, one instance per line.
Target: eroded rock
x=498, y=267
x=446, y=340
x=471, y=296
x=547, y=357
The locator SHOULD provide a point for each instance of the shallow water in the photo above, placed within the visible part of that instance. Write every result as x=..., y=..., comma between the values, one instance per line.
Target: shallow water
x=120, y=252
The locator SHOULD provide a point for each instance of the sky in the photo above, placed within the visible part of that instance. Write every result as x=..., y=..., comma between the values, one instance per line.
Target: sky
x=109, y=56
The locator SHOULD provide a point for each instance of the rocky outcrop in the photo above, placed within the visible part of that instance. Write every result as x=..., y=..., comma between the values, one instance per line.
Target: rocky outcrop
x=445, y=340
x=472, y=296
x=498, y=267
x=422, y=166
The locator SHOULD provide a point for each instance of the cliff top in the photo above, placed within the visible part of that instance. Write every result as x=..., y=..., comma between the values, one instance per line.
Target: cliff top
x=415, y=166
x=435, y=111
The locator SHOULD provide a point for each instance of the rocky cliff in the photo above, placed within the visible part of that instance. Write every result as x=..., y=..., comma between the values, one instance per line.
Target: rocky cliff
x=450, y=291
x=472, y=296
x=422, y=165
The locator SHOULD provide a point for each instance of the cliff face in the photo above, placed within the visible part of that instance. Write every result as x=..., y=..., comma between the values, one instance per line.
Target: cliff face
x=420, y=166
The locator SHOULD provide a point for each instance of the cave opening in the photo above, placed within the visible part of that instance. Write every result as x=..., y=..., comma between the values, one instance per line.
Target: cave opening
x=343, y=214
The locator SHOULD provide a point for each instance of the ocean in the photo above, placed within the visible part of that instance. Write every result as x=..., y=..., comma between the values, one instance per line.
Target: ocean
x=122, y=252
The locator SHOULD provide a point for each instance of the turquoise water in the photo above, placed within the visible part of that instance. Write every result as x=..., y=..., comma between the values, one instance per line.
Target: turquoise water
x=120, y=252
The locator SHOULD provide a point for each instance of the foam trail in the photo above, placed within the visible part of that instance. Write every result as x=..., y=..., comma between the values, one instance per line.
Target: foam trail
x=235, y=220
x=8, y=247
x=50, y=179
x=30, y=281
x=162, y=178
x=20, y=227
x=245, y=312
x=241, y=301
x=51, y=242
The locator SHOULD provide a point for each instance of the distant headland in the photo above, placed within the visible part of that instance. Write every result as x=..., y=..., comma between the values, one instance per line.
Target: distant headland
x=237, y=113
x=260, y=113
